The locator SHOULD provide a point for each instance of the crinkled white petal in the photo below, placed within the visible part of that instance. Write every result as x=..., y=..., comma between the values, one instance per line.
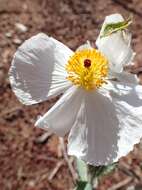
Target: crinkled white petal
x=128, y=105
x=37, y=72
x=107, y=125
x=126, y=77
x=117, y=46
x=60, y=118
x=87, y=45
x=95, y=131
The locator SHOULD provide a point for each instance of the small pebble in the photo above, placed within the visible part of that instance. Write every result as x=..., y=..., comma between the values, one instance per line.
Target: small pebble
x=21, y=27
x=31, y=184
x=131, y=188
x=17, y=41
x=8, y=34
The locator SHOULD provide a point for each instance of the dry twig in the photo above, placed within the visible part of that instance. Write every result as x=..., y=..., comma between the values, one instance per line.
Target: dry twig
x=43, y=138
x=128, y=171
x=55, y=170
x=121, y=184
x=69, y=161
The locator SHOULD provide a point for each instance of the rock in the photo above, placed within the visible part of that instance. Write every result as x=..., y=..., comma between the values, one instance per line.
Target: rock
x=21, y=27
x=8, y=34
x=17, y=41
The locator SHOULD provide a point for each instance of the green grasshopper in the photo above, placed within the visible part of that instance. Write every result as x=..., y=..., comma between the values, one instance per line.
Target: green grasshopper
x=114, y=27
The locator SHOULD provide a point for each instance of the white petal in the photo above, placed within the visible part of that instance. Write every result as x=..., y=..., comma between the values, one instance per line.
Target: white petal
x=128, y=105
x=126, y=77
x=94, y=134
x=116, y=46
x=37, y=72
x=87, y=45
x=60, y=118
x=108, y=125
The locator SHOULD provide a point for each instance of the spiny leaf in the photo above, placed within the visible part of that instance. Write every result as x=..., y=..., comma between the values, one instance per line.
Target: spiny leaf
x=114, y=27
x=83, y=185
x=99, y=171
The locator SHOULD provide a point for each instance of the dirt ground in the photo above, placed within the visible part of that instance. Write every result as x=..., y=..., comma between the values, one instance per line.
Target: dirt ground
x=26, y=163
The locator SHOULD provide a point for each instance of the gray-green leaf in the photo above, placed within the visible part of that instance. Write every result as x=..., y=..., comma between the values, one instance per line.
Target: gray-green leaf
x=82, y=170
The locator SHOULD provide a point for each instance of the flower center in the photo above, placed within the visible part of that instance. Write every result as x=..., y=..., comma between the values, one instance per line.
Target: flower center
x=87, y=68
x=87, y=63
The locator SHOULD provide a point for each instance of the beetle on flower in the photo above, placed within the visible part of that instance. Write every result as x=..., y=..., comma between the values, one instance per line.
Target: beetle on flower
x=101, y=105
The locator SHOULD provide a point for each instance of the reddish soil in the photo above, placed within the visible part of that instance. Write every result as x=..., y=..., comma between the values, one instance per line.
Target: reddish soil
x=26, y=164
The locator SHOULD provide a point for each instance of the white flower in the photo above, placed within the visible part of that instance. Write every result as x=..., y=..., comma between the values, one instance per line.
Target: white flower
x=103, y=117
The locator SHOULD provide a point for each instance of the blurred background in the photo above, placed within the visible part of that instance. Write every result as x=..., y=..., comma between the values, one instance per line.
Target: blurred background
x=31, y=159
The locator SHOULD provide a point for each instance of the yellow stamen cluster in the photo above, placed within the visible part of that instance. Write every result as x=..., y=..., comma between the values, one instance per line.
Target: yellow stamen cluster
x=87, y=68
